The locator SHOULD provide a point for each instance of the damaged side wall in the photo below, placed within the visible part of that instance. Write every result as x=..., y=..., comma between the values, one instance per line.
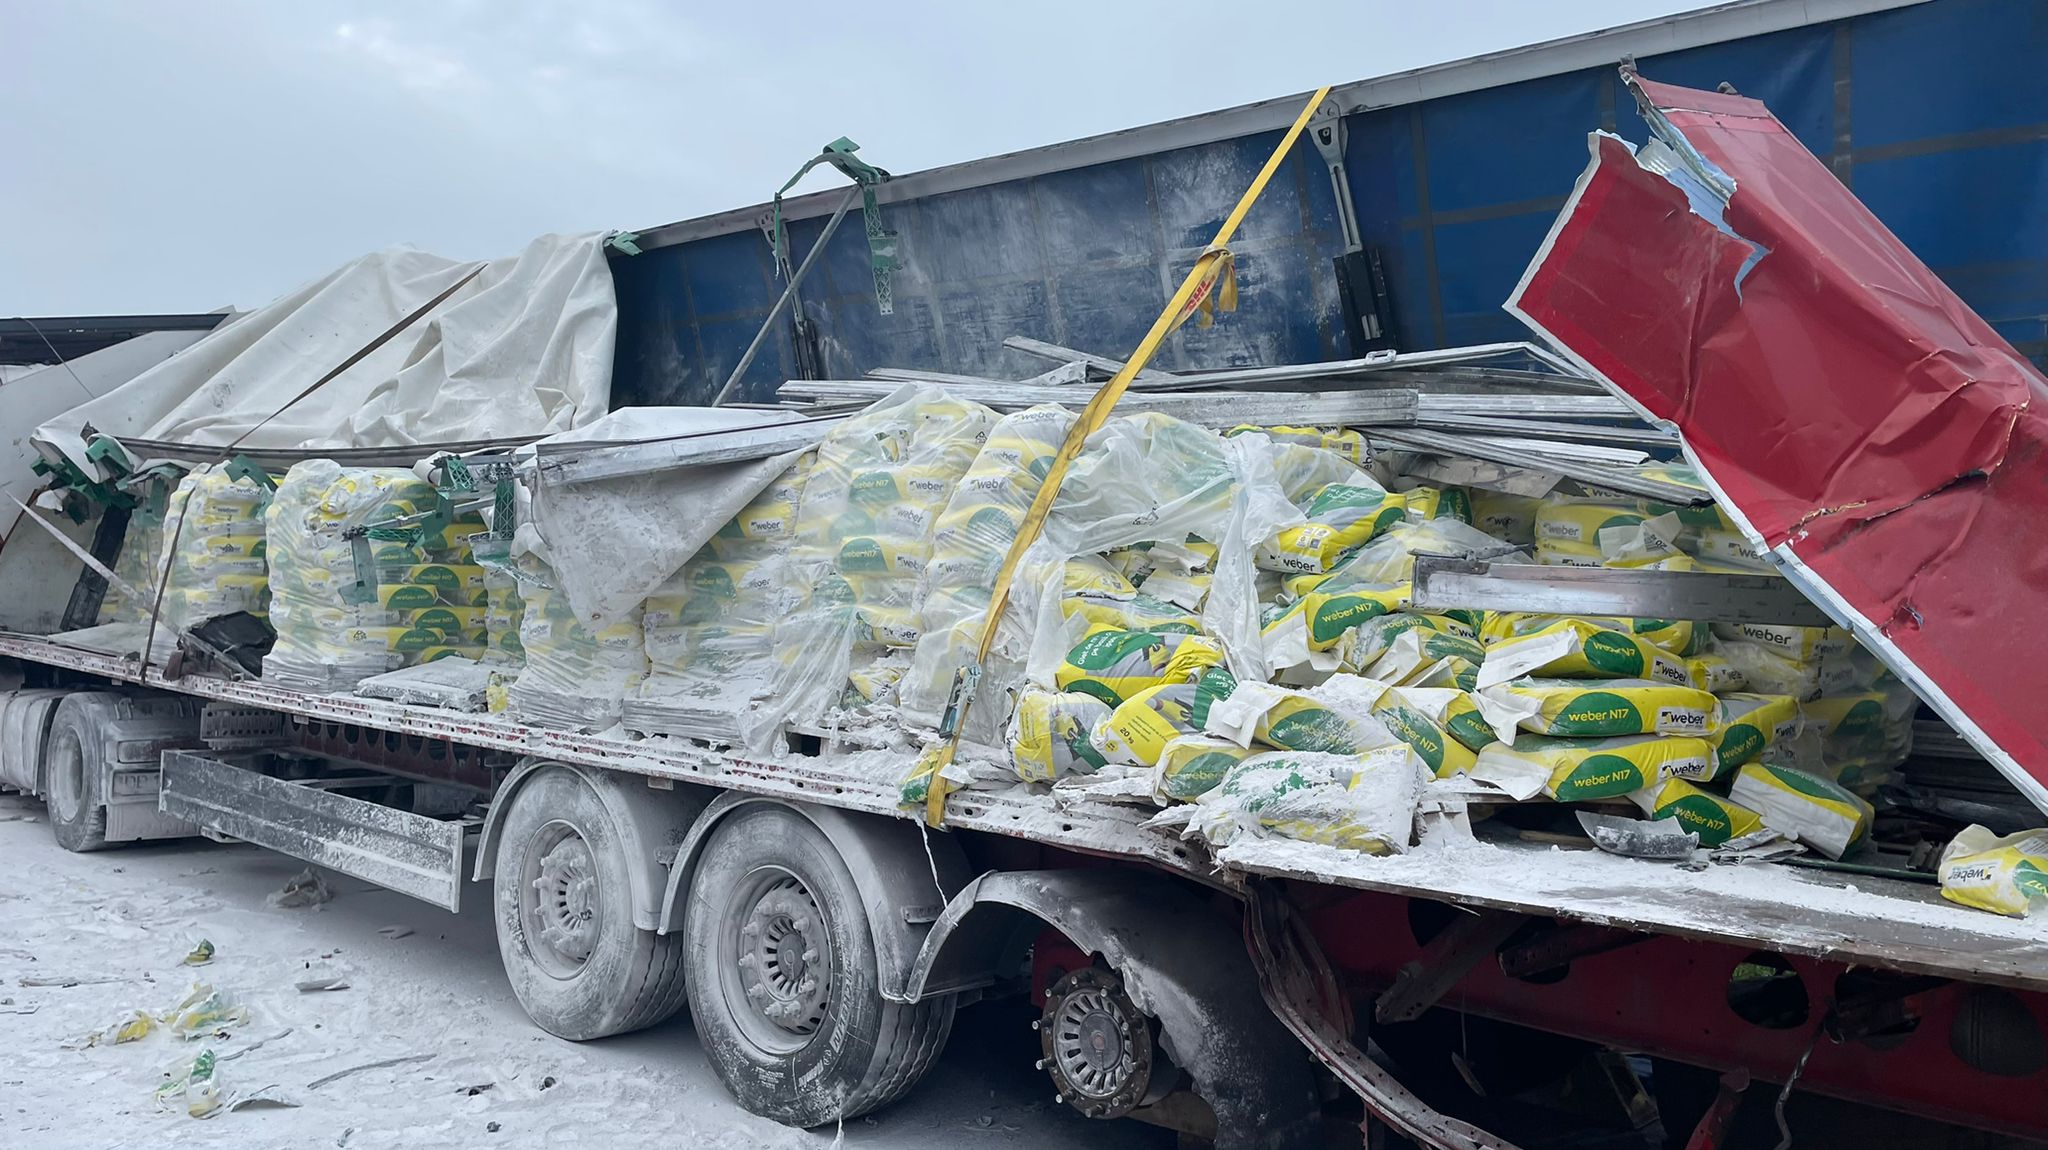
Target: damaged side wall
x=1914, y=107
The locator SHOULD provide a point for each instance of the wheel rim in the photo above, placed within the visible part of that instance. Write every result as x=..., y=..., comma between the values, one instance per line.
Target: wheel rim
x=1098, y=1047
x=67, y=778
x=560, y=901
x=776, y=974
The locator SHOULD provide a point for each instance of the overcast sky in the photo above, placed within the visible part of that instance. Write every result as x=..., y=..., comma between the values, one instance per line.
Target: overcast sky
x=184, y=156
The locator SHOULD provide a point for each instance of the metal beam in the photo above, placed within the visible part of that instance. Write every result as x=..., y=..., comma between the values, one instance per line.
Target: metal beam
x=1444, y=963
x=1598, y=475
x=581, y=463
x=1442, y=582
x=1101, y=364
x=1214, y=409
x=1649, y=439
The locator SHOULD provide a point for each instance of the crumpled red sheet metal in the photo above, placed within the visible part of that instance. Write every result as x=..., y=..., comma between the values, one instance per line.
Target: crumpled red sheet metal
x=1864, y=422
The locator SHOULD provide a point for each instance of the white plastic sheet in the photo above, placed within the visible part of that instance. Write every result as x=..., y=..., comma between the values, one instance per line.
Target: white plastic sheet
x=611, y=542
x=523, y=349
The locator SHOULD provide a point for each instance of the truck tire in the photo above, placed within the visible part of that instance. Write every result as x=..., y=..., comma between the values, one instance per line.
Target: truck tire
x=78, y=811
x=564, y=906
x=783, y=980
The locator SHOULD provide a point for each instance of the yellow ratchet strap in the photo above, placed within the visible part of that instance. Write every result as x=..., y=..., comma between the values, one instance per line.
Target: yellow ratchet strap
x=1210, y=285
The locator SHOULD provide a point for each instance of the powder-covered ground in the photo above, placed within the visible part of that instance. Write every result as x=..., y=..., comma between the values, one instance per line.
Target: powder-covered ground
x=118, y=923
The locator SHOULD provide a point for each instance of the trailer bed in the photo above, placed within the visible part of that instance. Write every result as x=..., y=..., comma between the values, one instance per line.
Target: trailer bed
x=1860, y=920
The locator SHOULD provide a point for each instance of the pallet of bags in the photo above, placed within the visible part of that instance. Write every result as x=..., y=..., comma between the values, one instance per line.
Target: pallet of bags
x=575, y=677
x=421, y=598
x=212, y=560
x=864, y=535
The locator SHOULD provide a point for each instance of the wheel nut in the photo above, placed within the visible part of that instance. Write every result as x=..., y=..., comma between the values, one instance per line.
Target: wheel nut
x=811, y=954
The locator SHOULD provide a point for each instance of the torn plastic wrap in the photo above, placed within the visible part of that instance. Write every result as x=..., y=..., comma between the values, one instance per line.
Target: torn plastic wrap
x=611, y=542
x=1851, y=414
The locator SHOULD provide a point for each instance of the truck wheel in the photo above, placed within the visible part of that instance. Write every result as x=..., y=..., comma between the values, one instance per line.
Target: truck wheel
x=78, y=811
x=564, y=905
x=783, y=977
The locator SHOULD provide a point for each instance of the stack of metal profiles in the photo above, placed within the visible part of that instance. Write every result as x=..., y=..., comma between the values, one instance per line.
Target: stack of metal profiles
x=1515, y=416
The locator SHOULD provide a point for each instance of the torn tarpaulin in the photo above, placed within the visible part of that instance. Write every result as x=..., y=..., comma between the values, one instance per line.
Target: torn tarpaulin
x=1847, y=407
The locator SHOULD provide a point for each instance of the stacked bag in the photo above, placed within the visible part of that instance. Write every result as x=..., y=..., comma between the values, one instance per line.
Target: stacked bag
x=211, y=561
x=575, y=677
x=865, y=526
x=709, y=630
x=427, y=602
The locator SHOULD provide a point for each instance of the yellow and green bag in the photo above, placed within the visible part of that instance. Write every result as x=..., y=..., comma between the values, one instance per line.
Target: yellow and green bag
x=1138, y=730
x=1600, y=708
x=1571, y=770
x=1049, y=734
x=1341, y=517
x=2005, y=875
x=1192, y=764
x=1822, y=814
x=1706, y=814
x=1113, y=664
x=1746, y=724
x=1579, y=649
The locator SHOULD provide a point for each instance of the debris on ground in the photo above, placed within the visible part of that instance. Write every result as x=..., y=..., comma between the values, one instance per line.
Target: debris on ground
x=401, y=1060
x=201, y=954
x=322, y=980
x=1639, y=838
x=305, y=889
x=394, y=932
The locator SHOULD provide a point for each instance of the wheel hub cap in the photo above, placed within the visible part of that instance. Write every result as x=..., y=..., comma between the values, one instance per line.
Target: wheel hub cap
x=1098, y=1046
x=785, y=957
x=565, y=900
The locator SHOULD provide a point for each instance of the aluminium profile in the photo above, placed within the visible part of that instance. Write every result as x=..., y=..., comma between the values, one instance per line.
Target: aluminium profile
x=1610, y=478
x=1444, y=582
x=583, y=463
x=1213, y=409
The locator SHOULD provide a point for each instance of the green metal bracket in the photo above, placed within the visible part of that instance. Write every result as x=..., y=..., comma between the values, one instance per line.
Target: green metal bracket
x=242, y=467
x=883, y=258
x=106, y=450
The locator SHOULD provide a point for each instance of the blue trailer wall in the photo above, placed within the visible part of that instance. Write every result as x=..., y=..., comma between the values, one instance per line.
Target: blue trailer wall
x=1934, y=114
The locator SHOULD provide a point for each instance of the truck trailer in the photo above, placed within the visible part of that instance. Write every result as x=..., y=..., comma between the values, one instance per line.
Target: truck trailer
x=822, y=918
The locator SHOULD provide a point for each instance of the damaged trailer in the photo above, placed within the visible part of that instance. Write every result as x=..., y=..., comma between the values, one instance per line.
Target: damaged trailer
x=733, y=819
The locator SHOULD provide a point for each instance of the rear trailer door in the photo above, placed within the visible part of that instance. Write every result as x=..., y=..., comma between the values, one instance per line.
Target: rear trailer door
x=1851, y=413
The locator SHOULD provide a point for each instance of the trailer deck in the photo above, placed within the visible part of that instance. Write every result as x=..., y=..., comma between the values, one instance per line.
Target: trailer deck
x=1856, y=919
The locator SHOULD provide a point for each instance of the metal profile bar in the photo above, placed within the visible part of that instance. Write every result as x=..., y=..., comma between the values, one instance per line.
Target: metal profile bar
x=788, y=293
x=1101, y=364
x=576, y=463
x=1532, y=406
x=1650, y=439
x=1442, y=582
x=1214, y=409
x=1609, y=478
x=1369, y=364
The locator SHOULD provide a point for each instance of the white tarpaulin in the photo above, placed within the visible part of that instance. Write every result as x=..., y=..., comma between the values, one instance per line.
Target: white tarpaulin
x=524, y=349
x=612, y=541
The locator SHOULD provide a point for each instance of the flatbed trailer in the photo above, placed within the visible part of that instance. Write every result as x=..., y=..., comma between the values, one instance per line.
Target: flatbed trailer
x=1880, y=993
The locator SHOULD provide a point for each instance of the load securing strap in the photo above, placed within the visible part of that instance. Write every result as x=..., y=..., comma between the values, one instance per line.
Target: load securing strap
x=1210, y=285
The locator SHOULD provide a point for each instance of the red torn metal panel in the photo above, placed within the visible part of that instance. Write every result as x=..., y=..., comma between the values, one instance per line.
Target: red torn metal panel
x=1860, y=418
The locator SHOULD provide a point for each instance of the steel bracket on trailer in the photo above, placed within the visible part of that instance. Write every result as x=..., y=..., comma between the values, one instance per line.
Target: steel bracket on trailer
x=1444, y=582
x=1302, y=990
x=1450, y=956
x=398, y=850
